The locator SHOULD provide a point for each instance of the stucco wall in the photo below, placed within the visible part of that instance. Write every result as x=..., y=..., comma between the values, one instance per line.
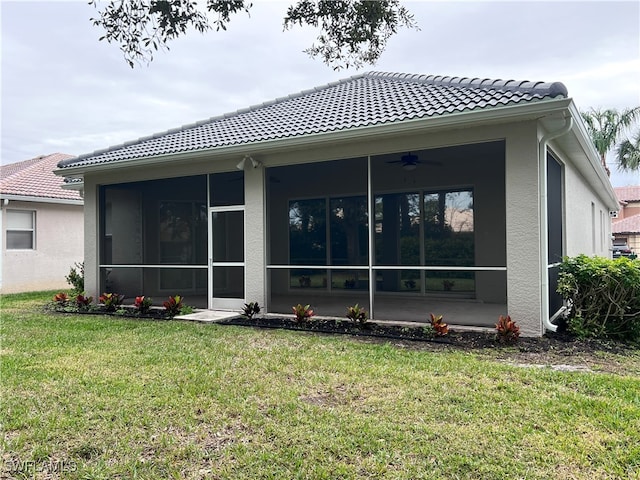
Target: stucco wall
x=59, y=245
x=255, y=282
x=523, y=229
x=587, y=223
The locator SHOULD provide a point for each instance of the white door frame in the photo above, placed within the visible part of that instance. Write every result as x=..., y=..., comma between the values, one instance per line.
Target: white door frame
x=226, y=303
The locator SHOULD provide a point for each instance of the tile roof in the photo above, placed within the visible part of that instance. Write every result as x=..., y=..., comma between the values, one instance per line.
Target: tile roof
x=628, y=194
x=363, y=100
x=627, y=225
x=35, y=178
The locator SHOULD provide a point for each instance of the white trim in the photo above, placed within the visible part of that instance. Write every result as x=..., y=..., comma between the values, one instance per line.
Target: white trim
x=371, y=220
x=32, y=230
x=442, y=268
x=26, y=198
x=224, y=303
x=592, y=155
x=163, y=265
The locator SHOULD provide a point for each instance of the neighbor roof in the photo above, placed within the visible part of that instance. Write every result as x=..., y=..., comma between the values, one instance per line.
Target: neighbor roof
x=627, y=225
x=628, y=194
x=35, y=178
x=363, y=100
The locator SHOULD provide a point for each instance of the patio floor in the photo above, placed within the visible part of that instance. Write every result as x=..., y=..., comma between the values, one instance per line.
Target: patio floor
x=456, y=311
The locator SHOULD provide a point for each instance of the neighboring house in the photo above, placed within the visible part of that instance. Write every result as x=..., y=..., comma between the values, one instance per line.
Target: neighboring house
x=407, y=194
x=626, y=226
x=42, y=226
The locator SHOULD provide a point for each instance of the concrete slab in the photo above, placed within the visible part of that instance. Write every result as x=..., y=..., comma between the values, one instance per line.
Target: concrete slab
x=208, y=316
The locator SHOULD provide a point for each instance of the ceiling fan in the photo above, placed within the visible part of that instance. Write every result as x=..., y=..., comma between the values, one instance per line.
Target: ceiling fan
x=411, y=161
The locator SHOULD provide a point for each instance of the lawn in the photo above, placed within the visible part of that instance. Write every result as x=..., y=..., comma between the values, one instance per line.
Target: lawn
x=96, y=397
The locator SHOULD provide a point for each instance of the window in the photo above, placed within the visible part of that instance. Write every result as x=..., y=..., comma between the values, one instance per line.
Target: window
x=21, y=229
x=429, y=229
x=308, y=232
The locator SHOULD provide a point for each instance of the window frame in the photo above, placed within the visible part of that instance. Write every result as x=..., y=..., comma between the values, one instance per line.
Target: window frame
x=10, y=230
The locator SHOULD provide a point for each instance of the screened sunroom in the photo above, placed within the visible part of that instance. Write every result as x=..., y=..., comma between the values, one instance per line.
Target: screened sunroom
x=436, y=242
x=157, y=237
x=407, y=194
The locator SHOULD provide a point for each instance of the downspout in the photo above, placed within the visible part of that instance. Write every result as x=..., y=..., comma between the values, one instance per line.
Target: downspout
x=544, y=220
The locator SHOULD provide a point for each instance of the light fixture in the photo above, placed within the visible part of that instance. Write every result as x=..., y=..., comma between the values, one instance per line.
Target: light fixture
x=409, y=166
x=243, y=163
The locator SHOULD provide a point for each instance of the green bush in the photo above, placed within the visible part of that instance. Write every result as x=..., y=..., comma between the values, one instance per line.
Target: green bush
x=603, y=295
x=76, y=278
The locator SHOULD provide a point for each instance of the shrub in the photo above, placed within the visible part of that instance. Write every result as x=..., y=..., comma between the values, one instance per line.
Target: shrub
x=437, y=324
x=250, y=310
x=603, y=296
x=61, y=299
x=507, y=330
x=76, y=278
x=357, y=314
x=186, y=309
x=143, y=304
x=173, y=305
x=111, y=301
x=302, y=313
x=83, y=303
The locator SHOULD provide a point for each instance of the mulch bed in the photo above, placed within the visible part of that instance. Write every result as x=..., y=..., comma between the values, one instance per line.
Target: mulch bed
x=549, y=350
x=560, y=343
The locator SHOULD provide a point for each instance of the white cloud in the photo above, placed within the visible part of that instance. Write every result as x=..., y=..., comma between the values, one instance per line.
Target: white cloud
x=64, y=90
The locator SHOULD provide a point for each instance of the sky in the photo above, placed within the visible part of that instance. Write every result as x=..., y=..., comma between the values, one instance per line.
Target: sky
x=64, y=91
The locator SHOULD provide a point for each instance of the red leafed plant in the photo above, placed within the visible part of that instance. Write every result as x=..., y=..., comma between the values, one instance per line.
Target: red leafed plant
x=439, y=327
x=142, y=304
x=111, y=301
x=61, y=298
x=173, y=305
x=357, y=314
x=302, y=313
x=82, y=302
x=508, y=331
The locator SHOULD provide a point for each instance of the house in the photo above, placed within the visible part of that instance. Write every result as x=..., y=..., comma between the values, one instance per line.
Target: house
x=626, y=226
x=408, y=194
x=42, y=226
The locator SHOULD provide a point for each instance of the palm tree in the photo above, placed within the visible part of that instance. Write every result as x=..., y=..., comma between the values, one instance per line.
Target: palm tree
x=628, y=154
x=605, y=128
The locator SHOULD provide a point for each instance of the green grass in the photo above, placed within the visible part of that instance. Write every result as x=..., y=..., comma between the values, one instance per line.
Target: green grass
x=101, y=397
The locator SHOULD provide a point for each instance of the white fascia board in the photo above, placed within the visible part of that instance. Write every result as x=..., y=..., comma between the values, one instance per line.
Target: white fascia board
x=25, y=198
x=580, y=131
x=78, y=186
x=453, y=120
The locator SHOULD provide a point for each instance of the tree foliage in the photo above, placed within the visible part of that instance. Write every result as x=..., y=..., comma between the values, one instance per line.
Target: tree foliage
x=352, y=32
x=628, y=153
x=606, y=128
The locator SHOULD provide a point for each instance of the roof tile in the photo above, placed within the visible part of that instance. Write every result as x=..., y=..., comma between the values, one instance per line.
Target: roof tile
x=35, y=178
x=363, y=100
x=630, y=193
x=627, y=225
